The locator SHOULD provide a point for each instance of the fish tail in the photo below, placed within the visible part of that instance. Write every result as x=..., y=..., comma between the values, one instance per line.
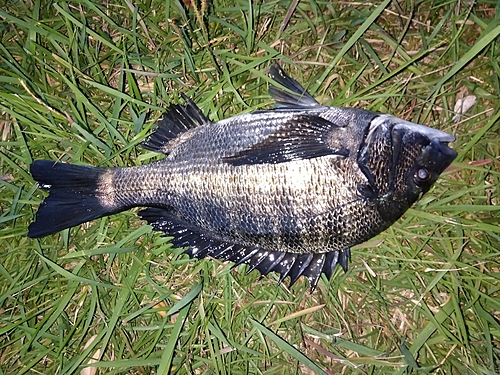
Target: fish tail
x=76, y=196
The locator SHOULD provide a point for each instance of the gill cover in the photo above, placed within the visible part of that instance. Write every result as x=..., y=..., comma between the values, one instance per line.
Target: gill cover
x=401, y=161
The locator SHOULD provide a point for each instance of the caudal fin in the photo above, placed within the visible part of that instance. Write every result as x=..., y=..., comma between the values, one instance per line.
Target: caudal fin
x=74, y=196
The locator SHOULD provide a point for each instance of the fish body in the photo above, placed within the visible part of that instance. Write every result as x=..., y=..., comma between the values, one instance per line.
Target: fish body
x=288, y=190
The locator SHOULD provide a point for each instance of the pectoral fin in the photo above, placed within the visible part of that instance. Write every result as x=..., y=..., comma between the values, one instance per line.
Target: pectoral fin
x=301, y=137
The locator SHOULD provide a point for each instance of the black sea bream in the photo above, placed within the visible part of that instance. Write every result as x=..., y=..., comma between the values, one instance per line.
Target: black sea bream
x=288, y=190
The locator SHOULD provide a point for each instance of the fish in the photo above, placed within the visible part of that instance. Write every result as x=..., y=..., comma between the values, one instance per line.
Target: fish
x=287, y=190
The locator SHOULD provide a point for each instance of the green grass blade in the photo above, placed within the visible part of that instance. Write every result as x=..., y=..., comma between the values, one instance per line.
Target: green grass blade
x=287, y=348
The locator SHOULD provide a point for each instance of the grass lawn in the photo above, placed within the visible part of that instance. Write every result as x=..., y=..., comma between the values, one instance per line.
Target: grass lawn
x=84, y=82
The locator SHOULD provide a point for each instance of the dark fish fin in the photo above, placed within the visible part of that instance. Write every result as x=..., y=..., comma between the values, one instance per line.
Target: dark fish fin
x=316, y=267
x=301, y=137
x=199, y=244
x=296, y=264
x=73, y=197
x=184, y=234
x=296, y=97
x=266, y=265
x=177, y=120
x=302, y=262
x=286, y=264
x=344, y=258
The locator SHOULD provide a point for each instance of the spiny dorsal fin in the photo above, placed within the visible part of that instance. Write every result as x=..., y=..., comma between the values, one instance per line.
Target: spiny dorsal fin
x=201, y=245
x=177, y=120
x=296, y=97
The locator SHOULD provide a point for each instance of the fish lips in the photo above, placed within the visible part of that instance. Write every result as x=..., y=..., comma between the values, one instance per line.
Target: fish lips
x=433, y=158
x=435, y=154
x=438, y=156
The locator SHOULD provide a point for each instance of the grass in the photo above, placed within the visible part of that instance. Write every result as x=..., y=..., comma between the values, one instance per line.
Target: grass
x=84, y=82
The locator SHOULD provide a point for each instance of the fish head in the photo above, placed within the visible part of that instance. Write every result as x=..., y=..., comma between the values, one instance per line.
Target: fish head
x=401, y=161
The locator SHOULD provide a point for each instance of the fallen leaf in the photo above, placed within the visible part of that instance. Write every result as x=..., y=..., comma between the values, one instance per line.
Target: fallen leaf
x=95, y=358
x=463, y=105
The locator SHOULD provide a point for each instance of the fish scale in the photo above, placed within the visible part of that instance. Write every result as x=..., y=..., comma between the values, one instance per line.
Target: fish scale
x=263, y=204
x=288, y=190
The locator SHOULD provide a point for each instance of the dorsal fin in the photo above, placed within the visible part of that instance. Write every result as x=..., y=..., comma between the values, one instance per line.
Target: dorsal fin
x=177, y=120
x=201, y=245
x=296, y=97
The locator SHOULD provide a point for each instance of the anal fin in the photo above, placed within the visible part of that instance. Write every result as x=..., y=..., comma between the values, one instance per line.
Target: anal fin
x=176, y=121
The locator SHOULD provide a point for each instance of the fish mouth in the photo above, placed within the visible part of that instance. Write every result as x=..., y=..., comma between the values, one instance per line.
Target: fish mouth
x=437, y=151
x=394, y=123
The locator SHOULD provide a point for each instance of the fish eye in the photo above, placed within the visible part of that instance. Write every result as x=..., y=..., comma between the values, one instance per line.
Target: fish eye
x=422, y=175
